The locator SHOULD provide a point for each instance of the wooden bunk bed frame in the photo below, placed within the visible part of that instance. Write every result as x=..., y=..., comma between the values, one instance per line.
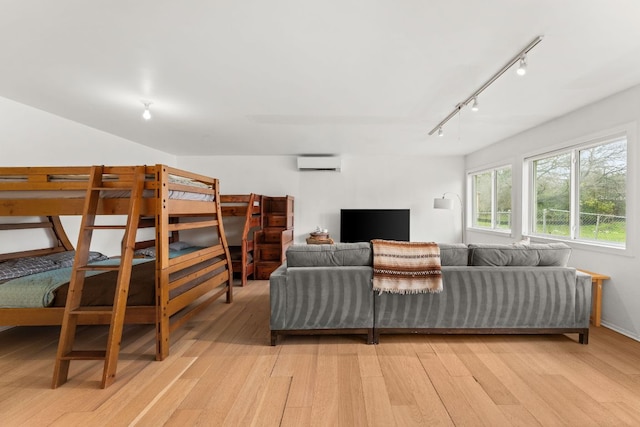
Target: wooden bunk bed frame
x=61, y=241
x=157, y=207
x=249, y=207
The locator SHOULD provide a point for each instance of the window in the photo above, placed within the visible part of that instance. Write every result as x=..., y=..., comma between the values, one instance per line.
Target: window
x=552, y=183
x=491, y=199
x=580, y=193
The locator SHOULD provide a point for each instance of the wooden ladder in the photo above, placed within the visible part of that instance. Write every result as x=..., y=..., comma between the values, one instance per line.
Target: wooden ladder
x=133, y=180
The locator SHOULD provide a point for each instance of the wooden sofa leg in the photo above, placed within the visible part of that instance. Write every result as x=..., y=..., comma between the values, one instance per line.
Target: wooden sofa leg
x=370, y=337
x=274, y=338
x=584, y=337
x=376, y=337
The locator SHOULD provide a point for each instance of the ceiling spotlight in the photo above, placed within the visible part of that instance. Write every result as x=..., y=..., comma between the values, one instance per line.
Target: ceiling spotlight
x=474, y=107
x=440, y=133
x=147, y=114
x=522, y=68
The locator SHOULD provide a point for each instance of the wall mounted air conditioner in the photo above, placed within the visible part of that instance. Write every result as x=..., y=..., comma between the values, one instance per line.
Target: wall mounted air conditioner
x=319, y=163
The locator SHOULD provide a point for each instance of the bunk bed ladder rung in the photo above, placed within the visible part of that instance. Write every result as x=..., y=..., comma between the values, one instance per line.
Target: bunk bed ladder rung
x=92, y=267
x=107, y=227
x=73, y=310
x=85, y=355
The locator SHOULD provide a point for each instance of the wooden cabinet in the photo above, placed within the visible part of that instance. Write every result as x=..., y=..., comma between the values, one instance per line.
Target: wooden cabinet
x=272, y=241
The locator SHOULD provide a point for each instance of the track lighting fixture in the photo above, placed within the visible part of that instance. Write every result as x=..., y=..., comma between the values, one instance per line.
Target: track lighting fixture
x=522, y=67
x=147, y=114
x=520, y=57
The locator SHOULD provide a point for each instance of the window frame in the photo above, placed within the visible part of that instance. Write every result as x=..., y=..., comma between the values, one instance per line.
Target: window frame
x=494, y=202
x=574, y=148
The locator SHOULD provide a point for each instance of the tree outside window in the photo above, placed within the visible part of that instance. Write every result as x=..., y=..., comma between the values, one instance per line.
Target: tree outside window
x=503, y=198
x=552, y=183
x=482, y=200
x=602, y=207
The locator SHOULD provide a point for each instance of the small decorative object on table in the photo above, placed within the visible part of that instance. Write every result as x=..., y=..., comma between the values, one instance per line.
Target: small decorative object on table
x=320, y=236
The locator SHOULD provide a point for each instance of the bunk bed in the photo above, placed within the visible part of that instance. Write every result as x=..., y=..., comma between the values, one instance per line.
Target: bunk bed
x=248, y=208
x=166, y=290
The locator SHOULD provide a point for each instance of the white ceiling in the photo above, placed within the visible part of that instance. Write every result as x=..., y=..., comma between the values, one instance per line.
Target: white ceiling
x=241, y=77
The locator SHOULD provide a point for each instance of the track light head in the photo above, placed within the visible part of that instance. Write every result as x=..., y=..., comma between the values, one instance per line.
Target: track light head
x=147, y=114
x=440, y=133
x=474, y=106
x=522, y=67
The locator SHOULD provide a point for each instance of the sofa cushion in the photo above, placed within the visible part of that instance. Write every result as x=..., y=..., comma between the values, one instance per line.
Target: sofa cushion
x=534, y=254
x=338, y=254
x=454, y=254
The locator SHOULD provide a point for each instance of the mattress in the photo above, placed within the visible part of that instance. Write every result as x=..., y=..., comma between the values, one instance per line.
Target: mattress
x=71, y=194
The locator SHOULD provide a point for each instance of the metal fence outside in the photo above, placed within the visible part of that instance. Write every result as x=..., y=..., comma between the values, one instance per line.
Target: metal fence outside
x=602, y=227
x=503, y=219
x=592, y=226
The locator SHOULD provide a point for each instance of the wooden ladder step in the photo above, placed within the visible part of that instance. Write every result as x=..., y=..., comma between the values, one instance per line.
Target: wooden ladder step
x=99, y=267
x=85, y=355
x=115, y=187
x=90, y=310
x=106, y=227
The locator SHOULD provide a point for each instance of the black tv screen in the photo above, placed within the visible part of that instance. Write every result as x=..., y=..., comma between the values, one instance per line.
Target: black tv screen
x=363, y=225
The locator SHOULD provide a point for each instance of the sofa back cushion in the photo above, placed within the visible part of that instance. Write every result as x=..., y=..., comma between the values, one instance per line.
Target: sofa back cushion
x=453, y=254
x=339, y=254
x=534, y=254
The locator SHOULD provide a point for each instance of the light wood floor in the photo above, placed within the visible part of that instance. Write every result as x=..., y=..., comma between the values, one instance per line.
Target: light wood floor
x=222, y=371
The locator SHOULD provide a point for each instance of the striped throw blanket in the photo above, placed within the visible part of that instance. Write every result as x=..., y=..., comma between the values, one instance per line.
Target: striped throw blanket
x=406, y=267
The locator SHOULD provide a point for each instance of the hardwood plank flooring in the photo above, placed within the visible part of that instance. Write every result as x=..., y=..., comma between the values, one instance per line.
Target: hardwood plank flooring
x=222, y=371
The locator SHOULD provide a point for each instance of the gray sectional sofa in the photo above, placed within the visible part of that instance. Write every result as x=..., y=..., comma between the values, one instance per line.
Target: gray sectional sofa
x=487, y=289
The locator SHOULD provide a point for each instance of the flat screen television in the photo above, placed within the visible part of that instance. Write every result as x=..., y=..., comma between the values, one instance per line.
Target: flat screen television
x=363, y=225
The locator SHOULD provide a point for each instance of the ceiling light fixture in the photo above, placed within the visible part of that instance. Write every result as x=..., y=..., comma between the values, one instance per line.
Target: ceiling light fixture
x=147, y=114
x=475, y=107
x=522, y=67
x=440, y=133
x=520, y=56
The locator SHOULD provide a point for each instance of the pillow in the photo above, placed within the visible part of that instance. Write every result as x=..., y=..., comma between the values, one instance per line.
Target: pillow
x=151, y=250
x=148, y=252
x=552, y=254
x=178, y=246
x=338, y=254
x=534, y=254
x=453, y=254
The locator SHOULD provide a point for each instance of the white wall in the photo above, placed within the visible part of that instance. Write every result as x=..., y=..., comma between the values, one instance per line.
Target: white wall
x=364, y=182
x=621, y=299
x=31, y=137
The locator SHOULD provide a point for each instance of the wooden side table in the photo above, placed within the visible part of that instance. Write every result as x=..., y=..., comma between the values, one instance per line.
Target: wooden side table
x=596, y=280
x=325, y=241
